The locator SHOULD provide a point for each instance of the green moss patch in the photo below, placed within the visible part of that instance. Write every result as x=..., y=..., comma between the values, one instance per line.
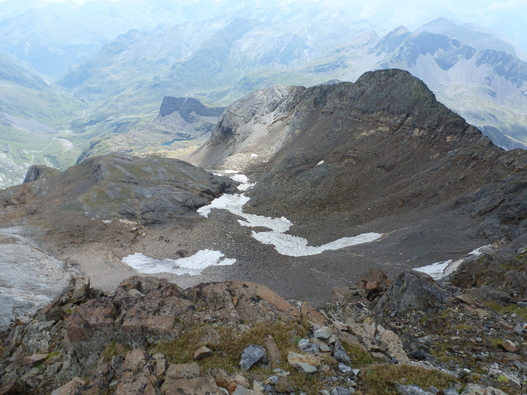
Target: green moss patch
x=381, y=379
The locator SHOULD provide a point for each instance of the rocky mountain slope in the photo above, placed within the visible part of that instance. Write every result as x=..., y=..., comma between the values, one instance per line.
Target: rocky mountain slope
x=78, y=219
x=380, y=160
x=483, y=83
x=355, y=153
x=379, y=157
x=150, y=336
x=474, y=73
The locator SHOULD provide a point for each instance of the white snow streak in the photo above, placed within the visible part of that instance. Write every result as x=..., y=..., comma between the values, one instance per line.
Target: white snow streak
x=284, y=244
x=439, y=270
x=192, y=265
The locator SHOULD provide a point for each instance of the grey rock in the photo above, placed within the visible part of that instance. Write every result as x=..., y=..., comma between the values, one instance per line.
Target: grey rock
x=340, y=391
x=412, y=290
x=306, y=367
x=251, y=355
x=303, y=344
x=273, y=379
x=313, y=349
x=340, y=354
x=344, y=368
x=323, y=333
x=241, y=390
x=410, y=390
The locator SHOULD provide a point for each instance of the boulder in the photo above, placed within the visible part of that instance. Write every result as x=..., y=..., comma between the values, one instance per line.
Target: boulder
x=412, y=290
x=306, y=363
x=251, y=355
x=71, y=388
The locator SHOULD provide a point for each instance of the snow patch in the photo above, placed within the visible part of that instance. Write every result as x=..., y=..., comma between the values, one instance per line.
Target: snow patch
x=192, y=265
x=439, y=270
x=320, y=163
x=284, y=244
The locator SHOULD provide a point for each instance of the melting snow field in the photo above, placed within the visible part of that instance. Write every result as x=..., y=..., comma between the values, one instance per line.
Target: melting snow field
x=192, y=265
x=439, y=270
x=284, y=244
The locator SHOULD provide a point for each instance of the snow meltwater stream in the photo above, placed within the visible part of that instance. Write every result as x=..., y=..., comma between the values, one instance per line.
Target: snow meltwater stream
x=283, y=243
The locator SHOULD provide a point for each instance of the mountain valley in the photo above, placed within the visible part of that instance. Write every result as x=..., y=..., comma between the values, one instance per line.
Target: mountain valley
x=117, y=216
x=117, y=90
x=261, y=198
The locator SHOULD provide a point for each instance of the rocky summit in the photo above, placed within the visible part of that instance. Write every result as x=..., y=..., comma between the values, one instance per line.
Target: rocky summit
x=409, y=335
x=337, y=193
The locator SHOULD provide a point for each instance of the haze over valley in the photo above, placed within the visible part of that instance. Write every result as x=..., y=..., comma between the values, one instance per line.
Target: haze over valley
x=263, y=197
x=96, y=72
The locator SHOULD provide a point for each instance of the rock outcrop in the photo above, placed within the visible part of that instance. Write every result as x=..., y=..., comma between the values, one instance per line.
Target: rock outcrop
x=147, y=190
x=357, y=153
x=150, y=336
x=186, y=106
x=39, y=171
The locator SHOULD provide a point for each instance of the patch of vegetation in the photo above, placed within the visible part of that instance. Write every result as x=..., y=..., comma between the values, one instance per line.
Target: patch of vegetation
x=496, y=343
x=463, y=327
x=52, y=354
x=510, y=309
x=3, y=347
x=114, y=349
x=227, y=351
x=358, y=354
x=381, y=379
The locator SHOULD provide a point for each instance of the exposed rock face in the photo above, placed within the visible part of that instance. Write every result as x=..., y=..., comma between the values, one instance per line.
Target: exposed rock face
x=146, y=190
x=412, y=290
x=356, y=152
x=143, y=339
x=37, y=171
x=250, y=131
x=30, y=279
x=186, y=106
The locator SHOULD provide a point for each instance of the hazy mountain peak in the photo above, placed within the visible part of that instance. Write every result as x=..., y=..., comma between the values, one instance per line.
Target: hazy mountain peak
x=392, y=40
x=469, y=35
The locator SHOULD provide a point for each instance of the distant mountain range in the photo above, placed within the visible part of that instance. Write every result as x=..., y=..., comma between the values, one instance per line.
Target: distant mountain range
x=119, y=85
x=472, y=72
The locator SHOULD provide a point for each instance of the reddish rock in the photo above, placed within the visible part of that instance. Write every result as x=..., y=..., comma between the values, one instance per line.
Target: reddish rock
x=313, y=315
x=71, y=388
x=81, y=289
x=308, y=363
x=273, y=352
x=35, y=358
x=161, y=324
x=183, y=371
x=195, y=386
x=202, y=353
x=134, y=360
x=77, y=329
x=98, y=313
x=509, y=346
